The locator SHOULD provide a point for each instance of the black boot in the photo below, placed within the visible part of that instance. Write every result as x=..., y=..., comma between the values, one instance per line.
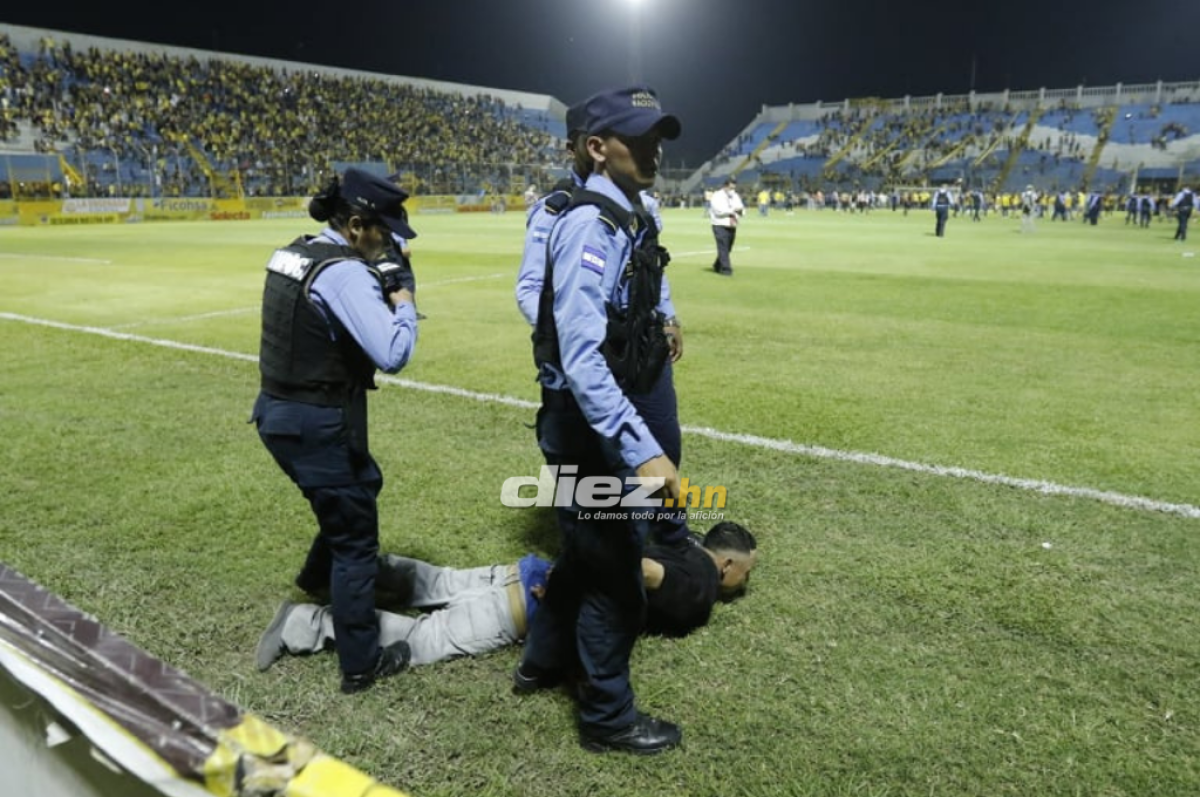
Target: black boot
x=646, y=735
x=392, y=659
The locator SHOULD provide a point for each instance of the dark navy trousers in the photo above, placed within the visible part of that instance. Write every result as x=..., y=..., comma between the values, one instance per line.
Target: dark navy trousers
x=1182, y=215
x=725, y=237
x=312, y=446
x=595, y=600
x=660, y=410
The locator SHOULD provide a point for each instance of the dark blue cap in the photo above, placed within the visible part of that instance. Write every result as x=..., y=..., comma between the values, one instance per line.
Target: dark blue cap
x=576, y=120
x=631, y=111
x=378, y=198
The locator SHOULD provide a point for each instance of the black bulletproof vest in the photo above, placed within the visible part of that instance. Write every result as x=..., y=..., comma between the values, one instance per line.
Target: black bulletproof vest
x=298, y=358
x=635, y=346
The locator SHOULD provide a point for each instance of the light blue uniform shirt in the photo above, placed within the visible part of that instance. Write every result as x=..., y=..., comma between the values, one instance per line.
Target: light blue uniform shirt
x=538, y=223
x=651, y=206
x=352, y=295
x=589, y=261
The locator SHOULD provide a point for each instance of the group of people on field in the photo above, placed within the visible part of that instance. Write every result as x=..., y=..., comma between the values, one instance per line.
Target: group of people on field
x=339, y=305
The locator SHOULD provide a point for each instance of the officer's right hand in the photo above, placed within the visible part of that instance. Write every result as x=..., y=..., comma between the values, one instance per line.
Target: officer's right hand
x=674, y=341
x=661, y=467
x=401, y=296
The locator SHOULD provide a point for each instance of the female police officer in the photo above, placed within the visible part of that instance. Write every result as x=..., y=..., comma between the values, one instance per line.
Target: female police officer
x=595, y=598
x=328, y=321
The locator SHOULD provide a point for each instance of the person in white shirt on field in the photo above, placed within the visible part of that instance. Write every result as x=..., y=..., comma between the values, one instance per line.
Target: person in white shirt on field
x=724, y=212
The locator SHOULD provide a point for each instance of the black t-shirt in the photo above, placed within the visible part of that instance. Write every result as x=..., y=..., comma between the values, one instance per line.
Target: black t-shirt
x=691, y=585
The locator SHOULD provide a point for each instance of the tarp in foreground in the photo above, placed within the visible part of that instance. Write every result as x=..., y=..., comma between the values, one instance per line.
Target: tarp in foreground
x=85, y=712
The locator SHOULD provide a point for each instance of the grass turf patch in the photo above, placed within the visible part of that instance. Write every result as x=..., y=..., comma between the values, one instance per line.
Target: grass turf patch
x=904, y=634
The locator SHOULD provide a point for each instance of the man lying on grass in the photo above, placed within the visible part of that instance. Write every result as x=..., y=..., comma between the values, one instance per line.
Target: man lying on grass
x=481, y=609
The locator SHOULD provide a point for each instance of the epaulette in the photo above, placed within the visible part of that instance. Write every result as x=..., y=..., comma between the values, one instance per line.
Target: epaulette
x=556, y=202
x=612, y=214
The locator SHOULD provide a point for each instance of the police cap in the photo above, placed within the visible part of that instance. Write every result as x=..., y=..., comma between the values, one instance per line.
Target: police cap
x=576, y=120
x=378, y=199
x=631, y=111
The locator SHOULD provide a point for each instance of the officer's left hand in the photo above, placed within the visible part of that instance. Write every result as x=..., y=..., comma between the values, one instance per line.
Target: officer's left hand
x=674, y=341
x=661, y=467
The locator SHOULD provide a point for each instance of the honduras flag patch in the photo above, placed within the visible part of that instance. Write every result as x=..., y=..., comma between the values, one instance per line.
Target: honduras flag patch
x=593, y=260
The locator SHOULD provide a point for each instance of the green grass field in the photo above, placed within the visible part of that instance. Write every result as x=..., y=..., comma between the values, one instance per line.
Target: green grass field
x=907, y=632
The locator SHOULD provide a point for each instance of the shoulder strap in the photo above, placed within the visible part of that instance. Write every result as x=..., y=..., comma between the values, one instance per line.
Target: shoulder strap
x=612, y=214
x=322, y=253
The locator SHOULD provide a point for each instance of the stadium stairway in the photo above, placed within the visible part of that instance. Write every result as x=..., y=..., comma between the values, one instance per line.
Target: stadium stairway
x=1019, y=146
x=754, y=153
x=875, y=159
x=1106, y=123
x=851, y=144
x=73, y=177
x=953, y=153
x=222, y=186
x=987, y=151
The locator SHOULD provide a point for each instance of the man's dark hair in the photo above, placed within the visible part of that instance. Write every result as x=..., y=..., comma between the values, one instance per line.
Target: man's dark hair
x=729, y=536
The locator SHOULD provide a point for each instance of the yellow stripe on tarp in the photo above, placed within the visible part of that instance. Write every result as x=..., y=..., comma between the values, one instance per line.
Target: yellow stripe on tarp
x=254, y=758
x=255, y=736
x=329, y=777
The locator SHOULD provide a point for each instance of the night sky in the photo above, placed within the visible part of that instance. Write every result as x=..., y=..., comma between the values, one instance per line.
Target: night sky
x=713, y=63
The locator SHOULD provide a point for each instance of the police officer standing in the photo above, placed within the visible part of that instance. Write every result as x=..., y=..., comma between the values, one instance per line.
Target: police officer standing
x=1060, y=207
x=1095, y=203
x=659, y=406
x=941, y=203
x=329, y=319
x=598, y=339
x=1145, y=210
x=1183, y=203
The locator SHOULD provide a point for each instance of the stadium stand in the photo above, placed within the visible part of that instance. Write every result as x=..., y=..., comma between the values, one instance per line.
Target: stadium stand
x=1104, y=138
x=126, y=119
x=140, y=120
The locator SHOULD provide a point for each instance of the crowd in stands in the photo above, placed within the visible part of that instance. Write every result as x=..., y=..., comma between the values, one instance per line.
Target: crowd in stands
x=181, y=119
x=874, y=143
x=9, y=65
x=147, y=123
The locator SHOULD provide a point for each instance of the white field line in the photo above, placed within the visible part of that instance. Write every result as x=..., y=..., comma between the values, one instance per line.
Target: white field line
x=712, y=252
x=55, y=257
x=185, y=318
x=256, y=308
x=435, y=283
x=754, y=441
